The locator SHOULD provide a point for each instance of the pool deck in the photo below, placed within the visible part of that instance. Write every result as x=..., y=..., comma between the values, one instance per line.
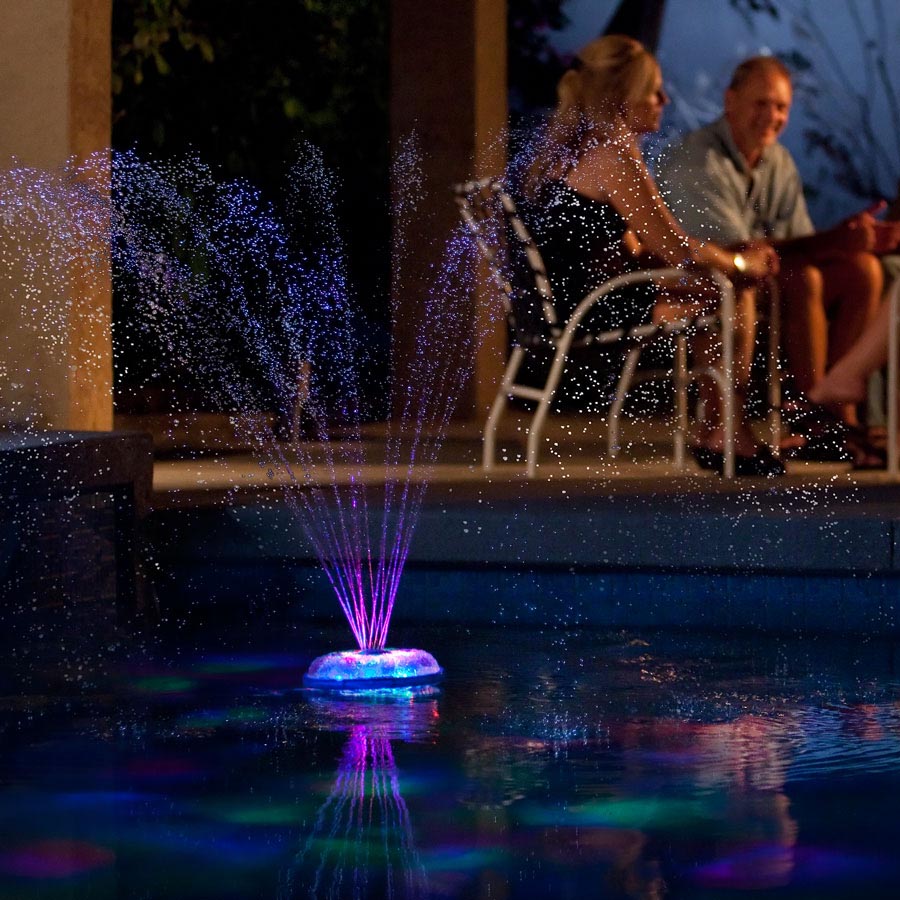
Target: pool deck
x=816, y=548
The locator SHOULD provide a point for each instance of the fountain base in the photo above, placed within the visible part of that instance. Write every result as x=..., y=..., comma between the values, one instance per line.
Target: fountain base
x=361, y=669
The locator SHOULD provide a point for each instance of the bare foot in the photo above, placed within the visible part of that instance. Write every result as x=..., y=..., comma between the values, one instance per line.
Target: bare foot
x=792, y=442
x=744, y=443
x=835, y=390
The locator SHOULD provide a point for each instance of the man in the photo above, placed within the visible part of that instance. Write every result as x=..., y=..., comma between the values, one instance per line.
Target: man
x=732, y=182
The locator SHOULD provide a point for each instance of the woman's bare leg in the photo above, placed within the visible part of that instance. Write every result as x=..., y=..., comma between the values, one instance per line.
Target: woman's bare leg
x=707, y=350
x=846, y=290
x=846, y=381
x=745, y=319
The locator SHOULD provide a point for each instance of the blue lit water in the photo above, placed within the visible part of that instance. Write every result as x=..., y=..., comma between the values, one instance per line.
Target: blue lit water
x=549, y=764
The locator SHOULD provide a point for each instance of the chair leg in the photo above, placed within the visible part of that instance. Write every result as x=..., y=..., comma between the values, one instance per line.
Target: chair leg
x=498, y=406
x=543, y=407
x=726, y=312
x=681, y=379
x=623, y=385
x=294, y=420
x=893, y=461
x=774, y=370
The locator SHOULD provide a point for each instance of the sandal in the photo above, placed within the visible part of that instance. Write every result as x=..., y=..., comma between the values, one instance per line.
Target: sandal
x=810, y=419
x=821, y=448
x=825, y=433
x=864, y=455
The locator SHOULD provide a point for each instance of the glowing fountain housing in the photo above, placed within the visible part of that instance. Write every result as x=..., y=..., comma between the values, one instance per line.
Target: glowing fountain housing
x=364, y=669
x=309, y=315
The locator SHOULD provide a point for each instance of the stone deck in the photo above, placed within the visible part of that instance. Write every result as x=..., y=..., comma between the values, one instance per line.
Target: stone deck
x=637, y=543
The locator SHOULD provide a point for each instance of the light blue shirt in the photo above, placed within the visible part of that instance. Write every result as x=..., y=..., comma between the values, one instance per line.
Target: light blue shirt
x=715, y=195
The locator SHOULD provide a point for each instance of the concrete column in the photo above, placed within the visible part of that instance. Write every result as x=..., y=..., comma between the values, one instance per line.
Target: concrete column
x=449, y=88
x=55, y=106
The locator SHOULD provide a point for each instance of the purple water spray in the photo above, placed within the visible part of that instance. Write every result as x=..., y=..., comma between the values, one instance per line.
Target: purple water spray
x=309, y=324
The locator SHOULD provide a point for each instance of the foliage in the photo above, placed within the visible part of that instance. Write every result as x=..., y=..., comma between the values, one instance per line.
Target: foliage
x=243, y=84
x=747, y=8
x=153, y=25
x=847, y=105
x=535, y=66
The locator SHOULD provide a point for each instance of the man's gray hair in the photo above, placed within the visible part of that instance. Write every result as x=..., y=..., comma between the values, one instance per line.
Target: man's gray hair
x=750, y=67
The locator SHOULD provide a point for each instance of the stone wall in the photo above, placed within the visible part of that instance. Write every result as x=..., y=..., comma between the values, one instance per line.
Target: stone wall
x=55, y=106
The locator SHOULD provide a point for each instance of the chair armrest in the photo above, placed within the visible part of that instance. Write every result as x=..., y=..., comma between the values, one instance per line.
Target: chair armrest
x=649, y=276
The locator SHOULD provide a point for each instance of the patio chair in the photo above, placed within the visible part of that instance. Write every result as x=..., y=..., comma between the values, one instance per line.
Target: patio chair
x=516, y=267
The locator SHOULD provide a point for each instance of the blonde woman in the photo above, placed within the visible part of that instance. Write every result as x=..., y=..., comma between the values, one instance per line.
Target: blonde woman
x=597, y=213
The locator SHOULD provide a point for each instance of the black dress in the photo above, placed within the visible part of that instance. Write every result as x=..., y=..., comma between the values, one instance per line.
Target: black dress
x=580, y=240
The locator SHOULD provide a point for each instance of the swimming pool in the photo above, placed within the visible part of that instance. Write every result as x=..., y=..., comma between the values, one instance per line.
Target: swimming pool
x=549, y=763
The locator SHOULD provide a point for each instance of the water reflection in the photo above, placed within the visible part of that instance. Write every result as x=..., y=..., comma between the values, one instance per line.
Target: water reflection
x=644, y=772
x=405, y=714
x=362, y=843
x=736, y=773
x=655, y=774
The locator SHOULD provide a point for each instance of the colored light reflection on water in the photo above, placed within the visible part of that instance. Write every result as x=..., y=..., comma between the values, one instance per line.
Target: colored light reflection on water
x=463, y=858
x=217, y=718
x=265, y=812
x=164, y=768
x=55, y=859
x=771, y=865
x=363, y=833
x=163, y=684
x=243, y=664
x=528, y=772
x=625, y=813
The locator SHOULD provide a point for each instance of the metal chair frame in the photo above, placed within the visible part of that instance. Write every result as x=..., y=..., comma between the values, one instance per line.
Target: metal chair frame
x=479, y=204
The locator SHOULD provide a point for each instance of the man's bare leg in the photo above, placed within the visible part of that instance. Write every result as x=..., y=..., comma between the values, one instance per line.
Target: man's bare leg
x=846, y=289
x=853, y=288
x=804, y=325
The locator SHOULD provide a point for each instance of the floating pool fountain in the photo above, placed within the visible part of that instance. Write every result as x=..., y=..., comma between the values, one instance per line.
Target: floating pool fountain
x=354, y=669
x=253, y=318
x=218, y=280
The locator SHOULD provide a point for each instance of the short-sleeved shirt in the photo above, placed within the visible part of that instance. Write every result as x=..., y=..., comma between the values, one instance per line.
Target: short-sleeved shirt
x=715, y=195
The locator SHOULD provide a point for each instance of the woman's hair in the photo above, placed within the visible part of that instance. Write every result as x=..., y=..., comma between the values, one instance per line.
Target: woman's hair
x=605, y=76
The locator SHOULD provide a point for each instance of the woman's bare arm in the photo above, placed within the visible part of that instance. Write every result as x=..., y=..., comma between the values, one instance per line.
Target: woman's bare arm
x=615, y=173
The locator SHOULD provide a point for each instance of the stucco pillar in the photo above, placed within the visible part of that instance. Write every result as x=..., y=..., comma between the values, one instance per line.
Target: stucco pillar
x=449, y=89
x=55, y=107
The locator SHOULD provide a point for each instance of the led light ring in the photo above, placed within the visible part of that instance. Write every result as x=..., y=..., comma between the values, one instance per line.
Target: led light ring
x=354, y=669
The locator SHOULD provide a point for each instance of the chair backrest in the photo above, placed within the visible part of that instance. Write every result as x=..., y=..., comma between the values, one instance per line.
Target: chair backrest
x=514, y=261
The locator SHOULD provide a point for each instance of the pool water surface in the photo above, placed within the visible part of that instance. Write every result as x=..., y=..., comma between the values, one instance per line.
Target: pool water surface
x=547, y=764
